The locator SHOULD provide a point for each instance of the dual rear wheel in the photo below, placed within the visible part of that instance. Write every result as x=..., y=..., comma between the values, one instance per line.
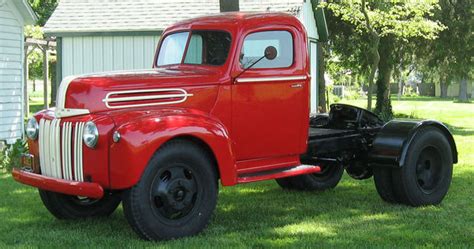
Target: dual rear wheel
x=423, y=180
x=426, y=176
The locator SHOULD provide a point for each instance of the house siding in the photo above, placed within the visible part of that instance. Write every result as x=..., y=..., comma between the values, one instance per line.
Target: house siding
x=91, y=54
x=11, y=73
x=306, y=16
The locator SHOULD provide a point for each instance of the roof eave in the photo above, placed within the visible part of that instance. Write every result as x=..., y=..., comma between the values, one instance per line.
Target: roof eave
x=26, y=12
x=69, y=33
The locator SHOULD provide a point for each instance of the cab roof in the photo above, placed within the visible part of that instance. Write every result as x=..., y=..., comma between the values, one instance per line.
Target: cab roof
x=235, y=20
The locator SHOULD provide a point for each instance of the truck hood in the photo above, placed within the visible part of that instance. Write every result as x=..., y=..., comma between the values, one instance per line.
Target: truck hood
x=170, y=86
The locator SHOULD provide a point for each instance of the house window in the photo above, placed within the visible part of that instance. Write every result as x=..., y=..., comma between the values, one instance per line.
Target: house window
x=255, y=44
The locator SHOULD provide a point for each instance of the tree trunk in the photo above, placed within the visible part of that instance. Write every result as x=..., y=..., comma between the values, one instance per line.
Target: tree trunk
x=373, y=69
x=383, y=106
x=374, y=52
x=443, y=86
x=463, y=90
x=322, y=83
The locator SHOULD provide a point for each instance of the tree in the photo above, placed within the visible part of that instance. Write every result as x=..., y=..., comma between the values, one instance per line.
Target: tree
x=459, y=20
x=43, y=9
x=387, y=25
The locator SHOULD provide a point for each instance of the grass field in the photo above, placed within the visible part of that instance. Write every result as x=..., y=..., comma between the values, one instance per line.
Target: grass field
x=261, y=215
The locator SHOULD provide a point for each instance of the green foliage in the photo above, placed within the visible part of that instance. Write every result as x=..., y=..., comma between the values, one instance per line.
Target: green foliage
x=43, y=9
x=35, y=56
x=351, y=93
x=380, y=34
x=410, y=92
x=403, y=19
x=11, y=154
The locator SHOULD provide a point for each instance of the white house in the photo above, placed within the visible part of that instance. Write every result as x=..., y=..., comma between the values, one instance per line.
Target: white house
x=95, y=36
x=14, y=14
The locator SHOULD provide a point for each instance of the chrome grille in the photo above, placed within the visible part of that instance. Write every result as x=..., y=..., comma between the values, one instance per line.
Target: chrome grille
x=60, y=149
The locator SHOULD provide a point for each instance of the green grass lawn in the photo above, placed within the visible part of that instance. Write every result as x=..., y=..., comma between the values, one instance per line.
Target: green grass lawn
x=261, y=215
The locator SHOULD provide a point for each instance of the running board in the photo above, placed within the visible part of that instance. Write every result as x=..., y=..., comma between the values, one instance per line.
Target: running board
x=278, y=173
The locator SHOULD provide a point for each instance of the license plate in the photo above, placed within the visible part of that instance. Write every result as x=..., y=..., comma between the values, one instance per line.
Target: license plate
x=28, y=162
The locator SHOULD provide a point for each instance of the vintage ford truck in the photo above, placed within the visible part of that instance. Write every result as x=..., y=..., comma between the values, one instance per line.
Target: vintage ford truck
x=227, y=100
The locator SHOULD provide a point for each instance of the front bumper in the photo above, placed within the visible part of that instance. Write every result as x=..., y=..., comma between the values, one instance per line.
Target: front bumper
x=86, y=189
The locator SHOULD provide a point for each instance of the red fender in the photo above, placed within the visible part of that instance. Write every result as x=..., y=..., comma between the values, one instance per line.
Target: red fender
x=142, y=136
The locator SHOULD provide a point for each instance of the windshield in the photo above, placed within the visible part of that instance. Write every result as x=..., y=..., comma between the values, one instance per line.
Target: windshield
x=205, y=48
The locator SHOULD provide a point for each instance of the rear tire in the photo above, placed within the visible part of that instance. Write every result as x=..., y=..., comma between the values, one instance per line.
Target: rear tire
x=384, y=185
x=328, y=178
x=176, y=195
x=74, y=207
x=426, y=176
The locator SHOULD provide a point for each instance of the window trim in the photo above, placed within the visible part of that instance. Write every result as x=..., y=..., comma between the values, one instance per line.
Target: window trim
x=268, y=68
x=161, y=43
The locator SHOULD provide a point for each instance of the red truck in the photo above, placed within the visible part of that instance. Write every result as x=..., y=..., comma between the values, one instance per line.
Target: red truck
x=227, y=99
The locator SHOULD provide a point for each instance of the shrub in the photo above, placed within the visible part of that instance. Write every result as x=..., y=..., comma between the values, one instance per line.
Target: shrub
x=10, y=155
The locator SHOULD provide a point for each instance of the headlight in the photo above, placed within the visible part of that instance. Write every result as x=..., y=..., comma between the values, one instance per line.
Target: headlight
x=91, y=134
x=32, y=128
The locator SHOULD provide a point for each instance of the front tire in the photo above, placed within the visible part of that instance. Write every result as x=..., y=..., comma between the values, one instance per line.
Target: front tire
x=74, y=207
x=176, y=194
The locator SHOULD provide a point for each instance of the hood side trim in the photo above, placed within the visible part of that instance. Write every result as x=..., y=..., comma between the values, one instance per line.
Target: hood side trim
x=61, y=110
x=180, y=93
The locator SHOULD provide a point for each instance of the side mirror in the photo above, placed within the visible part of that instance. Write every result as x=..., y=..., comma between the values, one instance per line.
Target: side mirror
x=270, y=53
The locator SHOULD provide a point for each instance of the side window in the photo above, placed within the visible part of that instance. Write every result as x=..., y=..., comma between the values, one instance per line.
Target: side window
x=255, y=44
x=208, y=48
x=194, y=53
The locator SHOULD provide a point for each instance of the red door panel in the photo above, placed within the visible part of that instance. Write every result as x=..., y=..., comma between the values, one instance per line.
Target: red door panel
x=267, y=116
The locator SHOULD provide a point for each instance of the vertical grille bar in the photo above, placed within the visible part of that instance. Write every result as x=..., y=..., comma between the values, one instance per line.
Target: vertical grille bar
x=79, y=150
x=64, y=151
x=57, y=148
x=46, y=144
x=67, y=147
x=41, y=146
x=76, y=170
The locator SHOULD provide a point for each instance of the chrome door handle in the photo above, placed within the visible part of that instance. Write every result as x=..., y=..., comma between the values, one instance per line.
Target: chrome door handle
x=297, y=85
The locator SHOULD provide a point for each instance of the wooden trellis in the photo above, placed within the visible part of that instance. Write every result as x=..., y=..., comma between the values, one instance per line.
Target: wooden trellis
x=47, y=46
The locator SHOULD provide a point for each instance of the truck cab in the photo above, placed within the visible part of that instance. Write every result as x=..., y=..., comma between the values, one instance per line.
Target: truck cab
x=227, y=99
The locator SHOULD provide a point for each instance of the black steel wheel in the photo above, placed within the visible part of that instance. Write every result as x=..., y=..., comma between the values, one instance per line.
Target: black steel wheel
x=426, y=176
x=328, y=178
x=76, y=207
x=174, y=191
x=176, y=194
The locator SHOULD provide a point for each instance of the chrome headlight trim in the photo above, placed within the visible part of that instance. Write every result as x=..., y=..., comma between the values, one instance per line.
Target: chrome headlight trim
x=91, y=134
x=32, y=129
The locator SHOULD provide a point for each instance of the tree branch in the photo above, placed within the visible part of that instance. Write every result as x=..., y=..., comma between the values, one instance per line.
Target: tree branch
x=367, y=20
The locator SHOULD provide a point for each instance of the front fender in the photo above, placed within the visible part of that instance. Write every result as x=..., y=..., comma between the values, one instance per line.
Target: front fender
x=142, y=136
x=391, y=145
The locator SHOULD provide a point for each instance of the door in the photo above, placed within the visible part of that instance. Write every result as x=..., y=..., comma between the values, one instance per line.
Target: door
x=269, y=100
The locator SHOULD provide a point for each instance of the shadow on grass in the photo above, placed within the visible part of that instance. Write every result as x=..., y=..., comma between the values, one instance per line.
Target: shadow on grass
x=259, y=215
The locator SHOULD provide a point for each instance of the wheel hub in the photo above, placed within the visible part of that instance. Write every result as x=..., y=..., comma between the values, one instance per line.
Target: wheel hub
x=428, y=169
x=174, y=192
